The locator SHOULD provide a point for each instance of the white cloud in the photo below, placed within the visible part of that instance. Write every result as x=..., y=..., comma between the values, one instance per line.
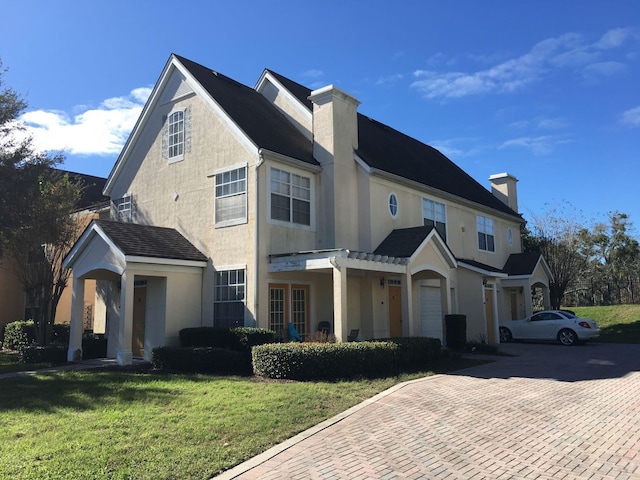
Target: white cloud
x=565, y=51
x=312, y=73
x=389, y=79
x=597, y=71
x=458, y=147
x=97, y=131
x=541, y=145
x=631, y=117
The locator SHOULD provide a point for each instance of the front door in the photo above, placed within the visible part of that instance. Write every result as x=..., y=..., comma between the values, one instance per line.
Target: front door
x=139, y=308
x=395, y=311
x=488, y=310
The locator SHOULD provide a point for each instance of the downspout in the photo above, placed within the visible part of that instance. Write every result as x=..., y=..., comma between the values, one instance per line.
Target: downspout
x=256, y=259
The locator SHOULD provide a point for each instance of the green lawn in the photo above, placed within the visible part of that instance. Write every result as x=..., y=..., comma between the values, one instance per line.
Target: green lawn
x=94, y=424
x=618, y=323
x=9, y=363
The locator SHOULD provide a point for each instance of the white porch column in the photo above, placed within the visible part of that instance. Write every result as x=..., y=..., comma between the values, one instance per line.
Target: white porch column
x=407, y=295
x=125, y=330
x=77, y=316
x=528, y=303
x=340, y=326
x=546, y=298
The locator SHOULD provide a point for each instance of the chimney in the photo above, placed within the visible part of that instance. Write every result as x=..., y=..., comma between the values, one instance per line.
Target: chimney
x=503, y=186
x=335, y=139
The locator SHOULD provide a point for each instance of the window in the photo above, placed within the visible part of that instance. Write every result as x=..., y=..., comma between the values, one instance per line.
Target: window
x=228, y=308
x=176, y=135
x=124, y=208
x=393, y=205
x=486, y=239
x=231, y=197
x=434, y=214
x=290, y=197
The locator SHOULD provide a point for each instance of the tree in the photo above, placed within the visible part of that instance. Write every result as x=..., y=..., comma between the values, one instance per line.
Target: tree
x=556, y=234
x=37, y=220
x=614, y=258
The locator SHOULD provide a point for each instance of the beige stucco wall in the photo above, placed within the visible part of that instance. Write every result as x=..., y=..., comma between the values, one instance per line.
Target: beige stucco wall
x=471, y=302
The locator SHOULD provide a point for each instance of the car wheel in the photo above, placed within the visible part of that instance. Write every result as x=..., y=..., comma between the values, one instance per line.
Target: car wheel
x=505, y=335
x=567, y=337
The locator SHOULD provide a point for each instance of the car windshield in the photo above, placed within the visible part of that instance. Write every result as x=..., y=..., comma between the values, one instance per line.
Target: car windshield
x=568, y=314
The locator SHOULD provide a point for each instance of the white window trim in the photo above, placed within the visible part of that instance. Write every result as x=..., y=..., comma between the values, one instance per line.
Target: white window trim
x=312, y=220
x=236, y=221
x=493, y=223
x=393, y=195
x=126, y=198
x=177, y=158
x=446, y=223
x=229, y=268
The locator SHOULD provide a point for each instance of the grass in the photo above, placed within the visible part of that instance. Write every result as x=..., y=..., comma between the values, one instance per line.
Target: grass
x=618, y=323
x=120, y=425
x=9, y=363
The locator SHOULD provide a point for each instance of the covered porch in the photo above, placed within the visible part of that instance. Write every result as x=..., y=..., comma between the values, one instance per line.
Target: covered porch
x=150, y=282
x=403, y=288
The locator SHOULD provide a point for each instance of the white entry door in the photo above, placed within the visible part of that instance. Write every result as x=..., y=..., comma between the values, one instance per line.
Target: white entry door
x=430, y=312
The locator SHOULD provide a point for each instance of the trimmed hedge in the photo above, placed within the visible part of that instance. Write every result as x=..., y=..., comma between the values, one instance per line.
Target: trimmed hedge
x=416, y=353
x=23, y=333
x=239, y=338
x=53, y=354
x=220, y=361
x=325, y=361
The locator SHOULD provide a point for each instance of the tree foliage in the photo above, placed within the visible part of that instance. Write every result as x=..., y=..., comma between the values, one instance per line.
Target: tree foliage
x=556, y=234
x=37, y=220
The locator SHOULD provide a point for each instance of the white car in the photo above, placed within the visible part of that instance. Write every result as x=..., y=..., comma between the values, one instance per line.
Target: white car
x=561, y=325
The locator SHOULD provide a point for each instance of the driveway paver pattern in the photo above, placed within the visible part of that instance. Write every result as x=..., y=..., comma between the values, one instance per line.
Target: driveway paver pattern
x=549, y=412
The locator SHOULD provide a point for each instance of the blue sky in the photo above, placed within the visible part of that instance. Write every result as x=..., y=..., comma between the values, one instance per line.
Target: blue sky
x=548, y=91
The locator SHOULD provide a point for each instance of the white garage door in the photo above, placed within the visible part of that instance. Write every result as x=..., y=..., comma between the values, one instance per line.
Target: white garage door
x=430, y=312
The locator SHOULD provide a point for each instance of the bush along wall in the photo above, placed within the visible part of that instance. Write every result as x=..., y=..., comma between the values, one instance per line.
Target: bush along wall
x=52, y=354
x=325, y=361
x=23, y=333
x=213, y=360
x=239, y=338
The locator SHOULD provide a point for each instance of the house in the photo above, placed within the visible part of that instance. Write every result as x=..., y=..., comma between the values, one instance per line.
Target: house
x=13, y=303
x=262, y=206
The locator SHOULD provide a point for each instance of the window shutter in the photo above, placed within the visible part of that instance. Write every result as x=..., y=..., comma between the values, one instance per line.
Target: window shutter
x=165, y=138
x=187, y=130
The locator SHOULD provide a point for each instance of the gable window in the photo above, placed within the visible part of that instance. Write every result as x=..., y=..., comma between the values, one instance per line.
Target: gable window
x=290, y=197
x=176, y=135
x=434, y=214
x=124, y=208
x=228, y=307
x=486, y=240
x=231, y=197
x=393, y=205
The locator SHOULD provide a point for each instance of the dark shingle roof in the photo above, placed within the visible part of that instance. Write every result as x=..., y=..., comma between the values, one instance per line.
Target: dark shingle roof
x=91, y=188
x=522, y=263
x=148, y=241
x=480, y=265
x=253, y=113
x=391, y=151
x=403, y=242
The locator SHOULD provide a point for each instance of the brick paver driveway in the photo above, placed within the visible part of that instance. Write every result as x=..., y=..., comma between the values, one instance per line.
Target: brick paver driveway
x=550, y=412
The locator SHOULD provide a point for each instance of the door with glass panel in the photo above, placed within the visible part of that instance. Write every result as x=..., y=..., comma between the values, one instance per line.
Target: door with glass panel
x=288, y=303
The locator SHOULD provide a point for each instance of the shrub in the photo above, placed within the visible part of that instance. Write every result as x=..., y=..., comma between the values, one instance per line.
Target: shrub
x=416, y=353
x=53, y=354
x=325, y=361
x=60, y=333
x=19, y=334
x=240, y=338
x=220, y=361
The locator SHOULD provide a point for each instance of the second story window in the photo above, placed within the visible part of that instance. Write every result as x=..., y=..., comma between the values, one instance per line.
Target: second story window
x=123, y=208
x=290, y=197
x=176, y=135
x=486, y=240
x=434, y=214
x=231, y=197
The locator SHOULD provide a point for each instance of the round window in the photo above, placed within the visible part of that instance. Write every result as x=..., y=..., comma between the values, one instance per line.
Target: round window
x=393, y=205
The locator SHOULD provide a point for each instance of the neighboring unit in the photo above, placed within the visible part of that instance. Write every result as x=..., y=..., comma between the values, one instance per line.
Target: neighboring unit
x=13, y=304
x=263, y=206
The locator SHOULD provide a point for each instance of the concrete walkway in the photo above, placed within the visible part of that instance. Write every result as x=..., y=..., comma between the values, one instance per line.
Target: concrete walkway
x=550, y=412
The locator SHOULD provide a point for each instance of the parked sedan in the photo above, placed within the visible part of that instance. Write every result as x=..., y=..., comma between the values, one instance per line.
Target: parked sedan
x=561, y=325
